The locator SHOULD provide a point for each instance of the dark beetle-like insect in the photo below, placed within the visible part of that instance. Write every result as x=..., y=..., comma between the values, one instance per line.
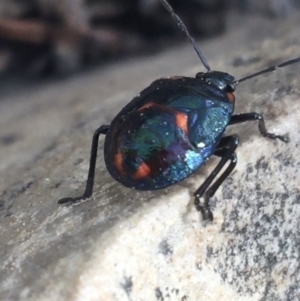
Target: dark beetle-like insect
x=172, y=128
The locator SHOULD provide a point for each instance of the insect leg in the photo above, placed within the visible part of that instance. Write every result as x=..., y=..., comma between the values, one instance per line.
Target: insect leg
x=261, y=125
x=91, y=174
x=225, y=150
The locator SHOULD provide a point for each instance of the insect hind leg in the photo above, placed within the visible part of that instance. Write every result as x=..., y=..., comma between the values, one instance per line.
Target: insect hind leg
x=91, y=174
x=225, y=150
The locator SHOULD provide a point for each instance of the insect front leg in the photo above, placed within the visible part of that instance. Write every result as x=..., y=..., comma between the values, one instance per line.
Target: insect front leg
x=91, y=174
x=225, y=150
x=240, y=118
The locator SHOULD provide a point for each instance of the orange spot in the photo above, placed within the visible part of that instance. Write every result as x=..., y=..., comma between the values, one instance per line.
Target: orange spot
x=142, y=171
x=146, y=106
x=182, y=121
x=231, y=97
x=118, y=162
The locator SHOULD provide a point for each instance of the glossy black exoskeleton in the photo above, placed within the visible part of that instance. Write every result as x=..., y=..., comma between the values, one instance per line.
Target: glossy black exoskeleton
x=172, y=128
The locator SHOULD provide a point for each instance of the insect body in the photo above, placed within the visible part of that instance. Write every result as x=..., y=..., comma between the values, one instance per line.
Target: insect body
x=171, y=129
x=166, y=133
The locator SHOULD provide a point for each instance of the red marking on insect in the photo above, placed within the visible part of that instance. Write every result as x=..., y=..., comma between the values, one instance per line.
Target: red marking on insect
x=142, y=171
x=181, y=120
x=146, y=106
x=119, y=162
x=231, y=97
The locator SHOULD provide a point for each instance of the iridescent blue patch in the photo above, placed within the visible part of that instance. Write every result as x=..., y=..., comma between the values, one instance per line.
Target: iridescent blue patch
x=193, y=159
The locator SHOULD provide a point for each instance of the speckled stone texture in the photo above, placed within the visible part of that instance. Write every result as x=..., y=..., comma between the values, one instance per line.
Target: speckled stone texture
x=128, y=245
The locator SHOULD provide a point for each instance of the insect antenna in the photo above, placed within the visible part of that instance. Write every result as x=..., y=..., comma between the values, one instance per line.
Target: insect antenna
x=182, y=26
x=270, y=69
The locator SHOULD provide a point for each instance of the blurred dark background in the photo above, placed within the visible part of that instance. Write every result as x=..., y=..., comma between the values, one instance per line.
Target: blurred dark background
x=41, y=38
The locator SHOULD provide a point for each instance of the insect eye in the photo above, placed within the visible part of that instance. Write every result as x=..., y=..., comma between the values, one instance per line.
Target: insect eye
x=230, y=88
x=200, y=75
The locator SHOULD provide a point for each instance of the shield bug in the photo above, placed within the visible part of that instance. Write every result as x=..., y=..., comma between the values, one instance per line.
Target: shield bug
x=172, y=128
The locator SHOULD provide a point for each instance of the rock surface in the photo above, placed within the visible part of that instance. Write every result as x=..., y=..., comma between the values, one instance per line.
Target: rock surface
x=129, y=245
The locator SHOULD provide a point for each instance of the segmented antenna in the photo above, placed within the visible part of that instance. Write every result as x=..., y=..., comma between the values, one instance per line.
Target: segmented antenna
x=270, y=69
x=181, y=25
